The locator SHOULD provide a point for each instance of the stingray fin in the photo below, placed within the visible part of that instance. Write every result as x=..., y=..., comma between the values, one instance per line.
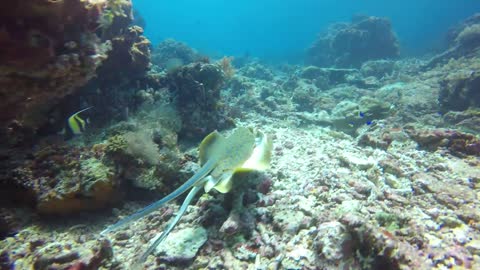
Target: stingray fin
x=262, y=154
x=210, y=146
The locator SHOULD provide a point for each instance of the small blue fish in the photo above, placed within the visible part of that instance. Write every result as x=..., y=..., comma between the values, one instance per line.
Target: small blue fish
x=361, y=114
x=369, y=122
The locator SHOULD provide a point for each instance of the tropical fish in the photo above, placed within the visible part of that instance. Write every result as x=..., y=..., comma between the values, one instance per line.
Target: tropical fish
x=367, y=122
x=222, y=158
x=75, y=124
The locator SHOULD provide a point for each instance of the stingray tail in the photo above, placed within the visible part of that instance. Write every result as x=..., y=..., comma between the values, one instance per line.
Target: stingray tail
x=193, y=181
x=170, y=227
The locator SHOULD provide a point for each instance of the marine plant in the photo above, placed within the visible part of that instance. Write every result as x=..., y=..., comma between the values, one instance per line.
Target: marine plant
x=226, y=65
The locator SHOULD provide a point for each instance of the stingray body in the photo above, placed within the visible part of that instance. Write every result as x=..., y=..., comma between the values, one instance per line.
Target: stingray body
x=221, y=158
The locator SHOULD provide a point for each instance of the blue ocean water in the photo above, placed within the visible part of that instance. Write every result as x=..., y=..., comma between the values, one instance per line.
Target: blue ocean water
x=280, y=30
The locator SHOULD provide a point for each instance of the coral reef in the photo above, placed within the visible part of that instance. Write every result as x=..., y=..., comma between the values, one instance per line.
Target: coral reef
x=358, y=140
x=63, y=180
x=377, y=68
x=128, y=58
x=59, y=47
x=462, y=40
x=170, y=54
x=465, y=34
x=256, y=70
x=459, y=90
x=351, y=44
x=46, y=57
x=197, y=90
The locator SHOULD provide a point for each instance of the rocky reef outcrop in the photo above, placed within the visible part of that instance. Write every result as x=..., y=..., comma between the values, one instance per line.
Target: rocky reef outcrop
x=170, y=54
x=57, y=56
x=129, y=57
x=462, y=39
x=49, y=49
x=197, y=90
x=351, y=44
x=459, y=91
x=466, y=34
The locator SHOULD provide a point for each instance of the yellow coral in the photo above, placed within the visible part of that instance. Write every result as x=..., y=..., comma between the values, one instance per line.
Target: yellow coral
x=112, y=9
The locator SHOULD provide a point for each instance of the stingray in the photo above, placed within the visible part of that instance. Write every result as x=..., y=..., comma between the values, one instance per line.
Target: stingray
x=221, y=158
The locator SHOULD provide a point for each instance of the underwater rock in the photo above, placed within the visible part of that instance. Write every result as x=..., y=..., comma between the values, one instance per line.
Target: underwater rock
x=455, y=142
x=468, y=121
x=11, y=221
x=466, y=33
x=257, y=71
x=351, y=44
x=377, y=68
x=459, y=90
x=305, y=97
x=312, y=72
x=463, y=40
x=182, y=246
x=197, y=90
x=333, y=242
x=377, y=248
x=240, y=85
x=289, y=221
x=59, y=257
x=170, y=54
